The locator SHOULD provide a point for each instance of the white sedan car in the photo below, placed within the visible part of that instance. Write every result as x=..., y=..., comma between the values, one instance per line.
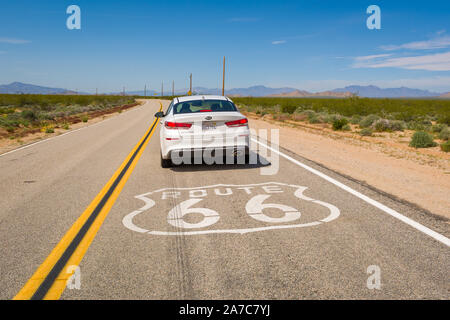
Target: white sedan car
x=203, y=128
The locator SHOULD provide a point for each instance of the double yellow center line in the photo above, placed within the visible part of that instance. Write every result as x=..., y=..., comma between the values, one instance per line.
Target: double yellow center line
x=49, y=280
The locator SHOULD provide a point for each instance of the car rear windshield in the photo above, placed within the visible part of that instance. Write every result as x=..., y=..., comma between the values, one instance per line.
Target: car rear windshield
x=203, y=106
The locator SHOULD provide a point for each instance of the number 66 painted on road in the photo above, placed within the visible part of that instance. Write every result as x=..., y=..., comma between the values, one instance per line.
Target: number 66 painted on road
x=254, y=207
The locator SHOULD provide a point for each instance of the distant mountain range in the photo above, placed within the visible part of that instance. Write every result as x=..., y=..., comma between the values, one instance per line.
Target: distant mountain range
x=19, y=87
x=375, y=92
x=254, y=91
x=306, y=94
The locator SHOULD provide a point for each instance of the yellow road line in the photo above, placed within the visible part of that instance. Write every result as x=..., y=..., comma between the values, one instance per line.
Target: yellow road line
x=33, y=287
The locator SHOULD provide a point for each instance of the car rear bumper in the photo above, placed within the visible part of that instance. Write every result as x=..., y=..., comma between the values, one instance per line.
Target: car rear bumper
x=208, y=152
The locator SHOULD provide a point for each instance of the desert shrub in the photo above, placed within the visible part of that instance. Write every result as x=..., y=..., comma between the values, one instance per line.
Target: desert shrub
x=29, y=115
x=299, y=110
x=309, y=113
x=366, y=132
x=6, y=110
x=330, y=118
x=397, y=125
x=438, y=127
x=445, y=119
x=314, y=119
x=338, y=124
x=381, y=125
x=288, y=108
x=422, y=139
x=84, y=118
x=417, y=126
x=444, y=134
x=347, y=128
x=368, y=120
x=445, y=146
x=426, y=122
x=355, y=119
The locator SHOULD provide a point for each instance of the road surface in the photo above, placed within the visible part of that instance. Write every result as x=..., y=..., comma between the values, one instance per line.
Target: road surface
x=202, y=232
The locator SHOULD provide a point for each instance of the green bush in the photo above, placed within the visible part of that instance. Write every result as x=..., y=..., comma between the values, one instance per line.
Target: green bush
x=438, y=127
x=84, y=118
x=355, y=119
x=288, y=108
x=444, y=134
x=418, y=126
x=421, y=139
x=397, y=125
x=330, y=118
x=381, y=125
x=314, y=119
x=368, y=121
x=347, y=128
x=445, y=146
x=338, y=124
x=445, y=119
x=309, y=113
x=366, y=132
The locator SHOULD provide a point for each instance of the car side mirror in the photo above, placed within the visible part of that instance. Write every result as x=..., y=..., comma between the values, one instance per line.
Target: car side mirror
x=159, y=114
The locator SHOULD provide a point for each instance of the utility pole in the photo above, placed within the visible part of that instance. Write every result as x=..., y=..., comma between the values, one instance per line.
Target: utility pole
x=145, y=90
x=223, y=77
x=96, y=91
x=162, y=89
x=173, y=88
x=123, y=92
x=190, y=87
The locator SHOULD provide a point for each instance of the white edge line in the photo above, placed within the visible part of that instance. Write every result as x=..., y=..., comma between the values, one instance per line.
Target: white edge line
x=60, y=135
x=437, y=236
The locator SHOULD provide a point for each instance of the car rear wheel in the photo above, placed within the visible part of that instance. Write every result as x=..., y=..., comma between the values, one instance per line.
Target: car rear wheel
x=166, y=163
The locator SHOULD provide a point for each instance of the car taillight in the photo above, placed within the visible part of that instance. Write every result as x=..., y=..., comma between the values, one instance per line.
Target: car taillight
x=177, y=125
x=237, y=123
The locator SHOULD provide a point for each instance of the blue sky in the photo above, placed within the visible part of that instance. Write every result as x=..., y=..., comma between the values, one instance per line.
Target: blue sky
x=312, y=45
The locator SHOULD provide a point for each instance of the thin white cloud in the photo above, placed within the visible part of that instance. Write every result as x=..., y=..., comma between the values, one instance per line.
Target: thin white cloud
x=278, y=42
x=13, y=41
x=431, y=62
x=372, y=57
x=436, y=43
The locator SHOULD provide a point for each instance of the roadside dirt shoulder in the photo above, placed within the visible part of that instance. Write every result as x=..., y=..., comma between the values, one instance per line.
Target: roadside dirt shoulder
x=419, y=178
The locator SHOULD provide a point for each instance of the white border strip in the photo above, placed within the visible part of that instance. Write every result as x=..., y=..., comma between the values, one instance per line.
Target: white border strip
x=395, y=214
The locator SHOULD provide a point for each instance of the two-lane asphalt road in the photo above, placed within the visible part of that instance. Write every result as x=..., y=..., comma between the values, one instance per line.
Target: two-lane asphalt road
x=98, y=198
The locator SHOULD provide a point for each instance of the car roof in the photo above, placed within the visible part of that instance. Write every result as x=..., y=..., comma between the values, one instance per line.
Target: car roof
x=200, y=97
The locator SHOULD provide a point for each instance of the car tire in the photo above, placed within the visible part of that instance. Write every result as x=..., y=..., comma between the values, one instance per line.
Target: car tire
x=166, y=163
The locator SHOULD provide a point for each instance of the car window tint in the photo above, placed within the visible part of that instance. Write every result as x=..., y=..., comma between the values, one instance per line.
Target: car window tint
x=204, y=106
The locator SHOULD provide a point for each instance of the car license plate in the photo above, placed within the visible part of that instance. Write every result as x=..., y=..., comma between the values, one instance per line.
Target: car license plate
x=209, y=125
